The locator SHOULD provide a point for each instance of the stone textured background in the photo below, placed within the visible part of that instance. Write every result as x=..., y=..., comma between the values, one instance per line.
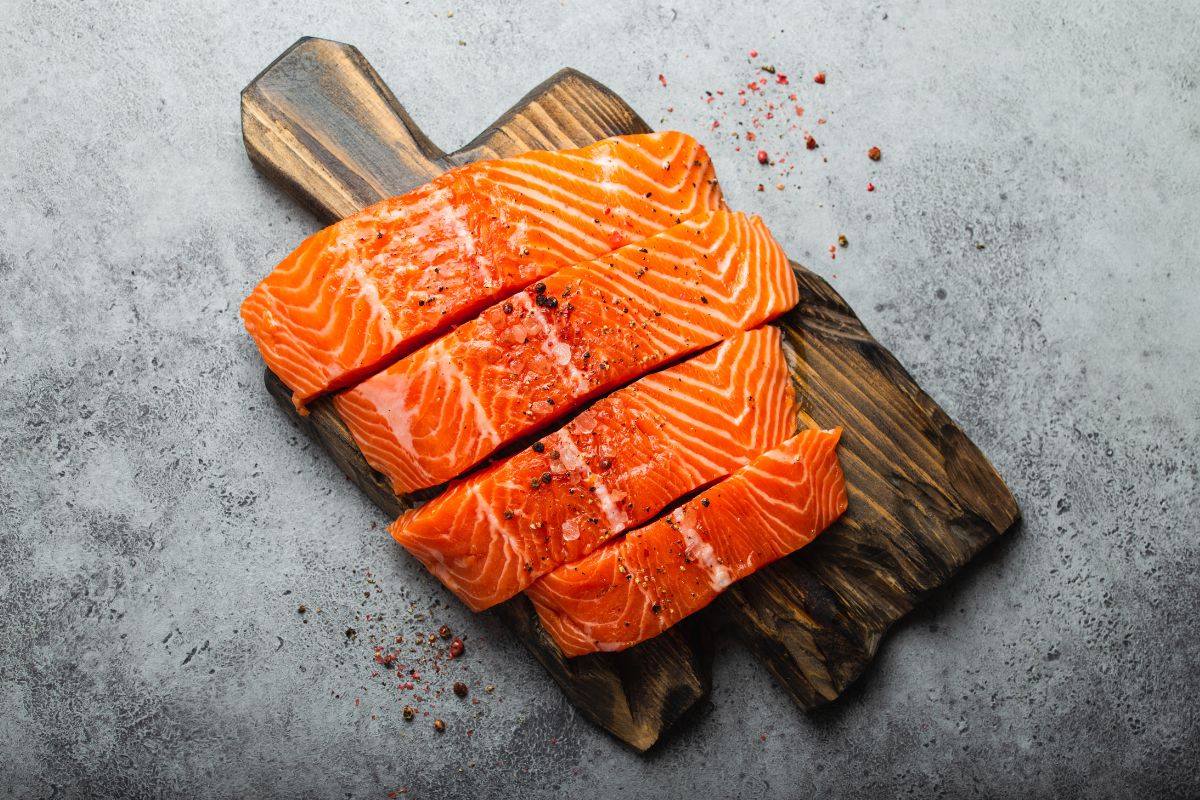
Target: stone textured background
x=160, y=521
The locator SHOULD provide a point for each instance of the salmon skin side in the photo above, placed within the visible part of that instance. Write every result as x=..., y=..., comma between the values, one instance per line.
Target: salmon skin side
x=581, y=332
x=613, y=467
x=372, y=288
x=636, y=587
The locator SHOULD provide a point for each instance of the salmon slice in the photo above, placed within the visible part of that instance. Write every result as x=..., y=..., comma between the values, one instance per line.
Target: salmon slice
x=613, y=467
x=369, y=289
x=578, y=333
x=636, y=587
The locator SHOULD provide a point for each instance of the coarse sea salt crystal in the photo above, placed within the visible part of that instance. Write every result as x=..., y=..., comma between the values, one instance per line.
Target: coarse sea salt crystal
x=570, y=529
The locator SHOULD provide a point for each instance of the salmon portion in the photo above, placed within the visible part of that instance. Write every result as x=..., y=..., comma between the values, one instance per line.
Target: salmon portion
x=636, y=587
x=613, y=467
x=581, y=332
x=372, y=288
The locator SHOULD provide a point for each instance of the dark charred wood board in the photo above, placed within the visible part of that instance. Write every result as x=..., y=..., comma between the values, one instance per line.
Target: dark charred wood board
x=321, y=123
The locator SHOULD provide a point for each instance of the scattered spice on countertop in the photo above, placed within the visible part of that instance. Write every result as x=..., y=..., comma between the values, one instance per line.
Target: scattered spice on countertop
x=819, y=78
x=843, y=241
x=874, y=154
x=414, y=661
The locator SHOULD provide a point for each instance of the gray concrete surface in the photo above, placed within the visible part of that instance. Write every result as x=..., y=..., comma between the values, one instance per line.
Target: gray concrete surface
x=161, y=521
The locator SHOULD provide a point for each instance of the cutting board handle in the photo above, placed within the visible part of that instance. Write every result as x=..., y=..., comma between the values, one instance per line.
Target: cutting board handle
x=320, y=122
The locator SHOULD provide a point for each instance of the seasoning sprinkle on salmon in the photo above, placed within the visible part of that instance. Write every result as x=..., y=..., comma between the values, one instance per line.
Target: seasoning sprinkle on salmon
x=433, y=415
x=614, y=466
x=375, y=286
x=635, y=587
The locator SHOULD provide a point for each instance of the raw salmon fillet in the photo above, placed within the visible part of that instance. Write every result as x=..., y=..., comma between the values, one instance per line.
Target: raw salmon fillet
x=636, y=587
x=613, y=467
x=375, y=286
x=578, y=333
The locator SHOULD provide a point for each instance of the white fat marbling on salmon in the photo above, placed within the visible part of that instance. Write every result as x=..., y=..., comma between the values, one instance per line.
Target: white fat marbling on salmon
x=701, y=550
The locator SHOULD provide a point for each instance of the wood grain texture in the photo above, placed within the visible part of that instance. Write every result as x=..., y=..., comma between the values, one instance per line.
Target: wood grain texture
x=923, y=499
x=321, y=123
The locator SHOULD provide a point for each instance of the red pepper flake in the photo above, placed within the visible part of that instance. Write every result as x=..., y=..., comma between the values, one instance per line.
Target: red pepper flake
x=799, y=111
x=874, y=154
x=670, y=109
x=781, y=79
x=819, y=77
x=810, y=143
x=751, y=136
x=870, y=187
x=754, y=54
x=661, y=79
x=456, y=648
x=760, y=187
x=716, y=124
x=741, y=101
x=762, y=156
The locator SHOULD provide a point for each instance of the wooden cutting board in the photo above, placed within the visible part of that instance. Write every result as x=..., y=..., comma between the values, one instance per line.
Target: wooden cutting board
x=320, y=122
